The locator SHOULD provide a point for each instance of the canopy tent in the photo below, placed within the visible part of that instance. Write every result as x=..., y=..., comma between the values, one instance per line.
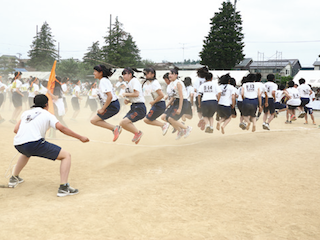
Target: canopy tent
x=311, y=77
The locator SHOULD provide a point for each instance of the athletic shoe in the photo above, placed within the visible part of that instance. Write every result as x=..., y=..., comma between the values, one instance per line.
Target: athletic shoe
x=211, y=130
x=301, y=115
x=165, y=128
x=207, y=129
x=288, y=122
x=264, y=126
x=267, y=127
x=66, y=190
x=180, y=134
x=293, y=118
x=187, y=131
x=137, y=137
x=14, y=181
x=116, y=132
x=243, y=125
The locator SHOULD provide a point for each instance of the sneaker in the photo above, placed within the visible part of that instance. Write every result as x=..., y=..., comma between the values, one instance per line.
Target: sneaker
x=187, y=131
x=264, y=126
x=243, y=126
x=288, y=122
x=207, y=129
x=293, y=118
x=180, y=134
x=165, y=128
x=211, y=130
x=14, y=181
x=267, y=127
x=301, y=115
x=137, y=137
x=116, y=132
x=66, y=190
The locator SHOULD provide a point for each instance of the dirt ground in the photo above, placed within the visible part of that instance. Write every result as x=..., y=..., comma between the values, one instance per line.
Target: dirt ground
x=241, y=185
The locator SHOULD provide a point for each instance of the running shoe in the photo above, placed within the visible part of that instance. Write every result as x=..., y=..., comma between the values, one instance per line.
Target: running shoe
x=301, y=115
x=267, y=127
x=187, y=131
x=66, y=190
x=180, y=134
x=243, y=125
x=293, y=118
x=211, y=130
x=264, y=126
x=207, y=129
x=165, y=128
x=288, y=122
x=137, y=137
x=14, y=181
x=116, y=132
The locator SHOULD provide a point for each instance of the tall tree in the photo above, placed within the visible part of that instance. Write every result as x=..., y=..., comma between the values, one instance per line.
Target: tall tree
x=7, y=64
x=94, y=56
x=43, y=52
x=120, y=49
x=223, y=47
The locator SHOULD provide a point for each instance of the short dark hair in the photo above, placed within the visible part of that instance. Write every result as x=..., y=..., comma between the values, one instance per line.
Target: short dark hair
x=40, y=100
x=270, y=77
x=106, y=72
x=291, y=83
x=302, y=81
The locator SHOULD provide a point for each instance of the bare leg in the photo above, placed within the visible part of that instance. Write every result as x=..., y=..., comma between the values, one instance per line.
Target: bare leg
x=22, y=162
x=128, y=125
x=154, y=122
x=176, y=124
x=97, y=121
x=65, y=165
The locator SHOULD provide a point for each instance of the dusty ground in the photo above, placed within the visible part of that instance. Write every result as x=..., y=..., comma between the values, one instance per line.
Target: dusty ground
x=241, y=185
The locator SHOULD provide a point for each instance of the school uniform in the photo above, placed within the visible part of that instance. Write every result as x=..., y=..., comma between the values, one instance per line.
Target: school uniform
x=240, y=100
x=250, y=101
x=196, y=84
x=32, y=90
x=269, y=87
x=138, y=108
x=64, y=89
x=308, y=108
x=159, y=107
x=30, y=138
x=209, y=102
x=16, y=97
x=92, y=102
x=24, y=91
x=74, y=98
x=105, y=86
x=224, y=104
x=190, y=90
x=294, y=100
x=171, y=111
x=279, y=96
x=304, y=91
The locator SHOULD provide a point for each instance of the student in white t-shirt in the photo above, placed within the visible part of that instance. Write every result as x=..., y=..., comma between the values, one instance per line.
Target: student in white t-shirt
x=305, y=92
x=209, y=94
x=110, y=105
x=75, y=99
x=133, y=95
x=158, y=104
x=30, y=141
x=190, y=96
x=16, y=96
x=33, y=90
x=226, y=102
x=269, y=107
x=92, y=98
x=308, y=108
x=293, y=101
x=260, y=85
x=64, y=87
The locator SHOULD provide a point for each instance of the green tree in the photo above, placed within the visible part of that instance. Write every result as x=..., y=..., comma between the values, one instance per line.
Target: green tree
x=120, y=49
x=7, y=64
x=43, y=52
x=223, y=47
x=73, y=69
x=94, y=56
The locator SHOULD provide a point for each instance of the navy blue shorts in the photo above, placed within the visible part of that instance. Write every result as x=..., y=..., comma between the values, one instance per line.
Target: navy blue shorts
x=291, y=107
x=75, y=103
x=197, y=105
x=111, y=110
x=308, y=110
x=137, y=112
x=240, y=104
x=271, y=106
x=249, y=107
x=209, y=108
x=40, y=148
x=224, y=111
x=172, y=110
x=279, y=105
x=304, y=101
x=188, y=108
x=157, y=110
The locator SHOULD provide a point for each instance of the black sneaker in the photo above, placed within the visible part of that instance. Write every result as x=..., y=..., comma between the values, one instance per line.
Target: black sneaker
x=66, y=190
x=14, y=181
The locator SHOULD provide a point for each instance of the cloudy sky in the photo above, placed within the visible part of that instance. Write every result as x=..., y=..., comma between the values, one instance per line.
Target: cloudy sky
x=170, y=30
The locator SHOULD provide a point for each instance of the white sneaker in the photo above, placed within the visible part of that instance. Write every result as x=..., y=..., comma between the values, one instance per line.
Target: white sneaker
x=264, y=126
x=267, y=127
x=187, y=131
x=165, y=128
x=180, y=134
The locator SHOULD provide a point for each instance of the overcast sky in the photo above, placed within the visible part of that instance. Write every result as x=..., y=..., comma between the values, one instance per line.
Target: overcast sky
x=170, y=30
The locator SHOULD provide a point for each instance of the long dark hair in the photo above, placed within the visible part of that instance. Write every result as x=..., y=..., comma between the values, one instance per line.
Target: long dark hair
x=106, y=72
x=146, y=71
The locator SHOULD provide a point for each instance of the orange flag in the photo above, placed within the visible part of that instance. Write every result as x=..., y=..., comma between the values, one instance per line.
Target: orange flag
x=50, y=86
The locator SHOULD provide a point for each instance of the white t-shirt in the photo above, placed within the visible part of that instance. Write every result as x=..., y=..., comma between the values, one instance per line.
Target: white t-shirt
x=64, y=88
x=174, y=89
x=250, y=90
x=24, y=87
x=304, y=90
x=93, y=93
x=190, y=90
x=197, y=83
x=269, y=87
x=294, y=97
x=279, y=95
x=260, y=85
x=16, y=84
x=105, y=86
x=312, y=96
x=43, y=90
x=132, y=85
x=239, y=99
x=34, y=125
x=155, y=86
x=227, y=91
x=75, y=91
x=33, y=90
x=209, y=91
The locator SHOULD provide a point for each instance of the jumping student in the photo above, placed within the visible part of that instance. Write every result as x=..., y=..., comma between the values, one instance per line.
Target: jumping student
x=294, y=101
x=75, y=99
x=190, y=95
x=305, y=92
x=251, y=96
x=309, y=108
x=158, y=105
x=16, y=96
x=270, y=89
x=279, y=106
x=177, y=109
x=92, y=98
x=30, y=141
x=233, y=83
x=226, y=102
x=209, y=95
x=108, y=100
x=133, y=95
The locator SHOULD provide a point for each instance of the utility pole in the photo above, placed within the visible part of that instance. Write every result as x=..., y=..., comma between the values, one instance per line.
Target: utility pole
x=110, y=30
x=58, y=52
